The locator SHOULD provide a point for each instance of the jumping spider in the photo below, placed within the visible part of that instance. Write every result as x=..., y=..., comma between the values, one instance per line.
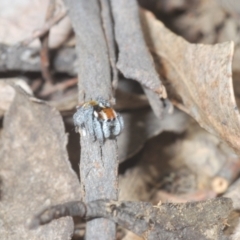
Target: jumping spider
x=98, y=120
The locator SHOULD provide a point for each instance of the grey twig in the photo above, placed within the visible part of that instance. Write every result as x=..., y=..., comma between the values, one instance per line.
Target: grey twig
x=165, y=221
x=134, y=60
x=98, y=163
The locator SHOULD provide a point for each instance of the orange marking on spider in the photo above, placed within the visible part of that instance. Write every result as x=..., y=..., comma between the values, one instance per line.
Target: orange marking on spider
x=107, y=114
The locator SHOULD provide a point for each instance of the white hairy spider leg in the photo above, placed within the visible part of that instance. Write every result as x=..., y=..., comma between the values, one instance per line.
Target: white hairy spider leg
x=78, y=121
x=98, y=133
x=106, y=126
x=83, y=130
x=89, y=122
x=83, y=119
x=118, y=126
x=120, y=119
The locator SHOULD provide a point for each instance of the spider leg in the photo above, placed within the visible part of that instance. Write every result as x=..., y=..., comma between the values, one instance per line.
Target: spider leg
x=78, y=121
x=120, y=119
x=118, y=125
x=89, y=122
x=83, y=120
x=98, y=131
x=106, y=128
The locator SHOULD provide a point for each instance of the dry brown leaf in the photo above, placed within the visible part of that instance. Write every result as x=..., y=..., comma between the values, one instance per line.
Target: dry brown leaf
x=202, y=77
x=21, y=18
x=201, y=21
x=35, y=170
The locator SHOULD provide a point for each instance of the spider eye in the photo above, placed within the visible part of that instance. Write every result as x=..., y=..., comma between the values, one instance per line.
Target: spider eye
x=100, y=104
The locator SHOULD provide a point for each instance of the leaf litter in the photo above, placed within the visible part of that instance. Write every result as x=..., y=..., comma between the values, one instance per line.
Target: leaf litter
x=184, y=164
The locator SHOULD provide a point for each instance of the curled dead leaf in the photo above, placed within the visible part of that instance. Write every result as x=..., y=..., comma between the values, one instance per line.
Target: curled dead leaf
x=200, y=77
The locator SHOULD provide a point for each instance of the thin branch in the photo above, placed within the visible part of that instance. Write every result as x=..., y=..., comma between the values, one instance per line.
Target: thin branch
x=59, y=87
x=163, y=221
x=99, y=163
x=54, y=212
x=44, y=53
